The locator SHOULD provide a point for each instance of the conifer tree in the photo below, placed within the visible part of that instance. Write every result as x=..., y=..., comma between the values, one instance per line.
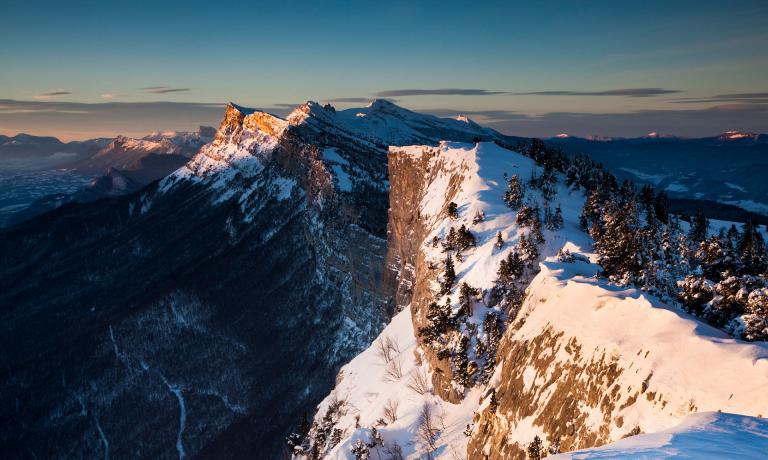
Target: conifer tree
x=460, y=362
x=557, y=219
x=453, y=210
x=529, y=250
x=450, y=240
x=752, y=250
x=535, y=448
x=449, y=276
x=660, y=206
x=464, y=238
x=467, y=297
x=493, y=404
x=510, y=269
x=439, y=322
x=591, y=211
x=618, y=246
x=513, y=197
x=499, y=240
x=360, y=450
x=699, y=227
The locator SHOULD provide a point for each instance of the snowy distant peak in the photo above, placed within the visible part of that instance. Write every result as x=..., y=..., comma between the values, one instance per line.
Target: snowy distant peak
x=122, y=144
x=735, y=135
x=379, y=104
x=203, y=135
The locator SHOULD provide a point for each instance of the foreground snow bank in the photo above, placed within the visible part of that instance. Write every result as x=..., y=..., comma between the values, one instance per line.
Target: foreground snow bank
x=706, y=435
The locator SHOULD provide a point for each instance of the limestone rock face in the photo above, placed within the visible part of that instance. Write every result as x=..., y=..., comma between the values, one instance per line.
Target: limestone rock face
x=410, y=176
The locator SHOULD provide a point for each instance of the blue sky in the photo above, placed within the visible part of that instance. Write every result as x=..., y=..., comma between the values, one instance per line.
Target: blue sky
x=536, y=68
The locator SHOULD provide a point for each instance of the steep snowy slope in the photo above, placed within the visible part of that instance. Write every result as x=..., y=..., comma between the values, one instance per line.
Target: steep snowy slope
x=583, y=363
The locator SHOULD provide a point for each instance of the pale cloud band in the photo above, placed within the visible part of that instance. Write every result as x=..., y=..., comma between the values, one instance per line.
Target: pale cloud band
x=71, y=120
x=625, y=92
x=163, y=90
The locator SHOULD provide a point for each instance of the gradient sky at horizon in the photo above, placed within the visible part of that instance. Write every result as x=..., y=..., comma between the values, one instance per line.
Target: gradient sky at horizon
x=533, y=68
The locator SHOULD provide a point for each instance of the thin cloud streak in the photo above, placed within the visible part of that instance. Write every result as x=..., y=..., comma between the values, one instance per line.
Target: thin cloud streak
x=52, y=94
x=751, y=98
x=438, y=92
x=163, y=89
x=627, y=92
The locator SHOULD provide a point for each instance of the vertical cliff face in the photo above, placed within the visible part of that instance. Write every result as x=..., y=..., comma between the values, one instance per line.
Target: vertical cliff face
x=581, y=363
x=417, y=210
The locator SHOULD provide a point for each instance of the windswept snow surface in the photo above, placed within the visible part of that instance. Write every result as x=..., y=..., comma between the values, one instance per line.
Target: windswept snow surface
x=701, y=436
x=694, y=366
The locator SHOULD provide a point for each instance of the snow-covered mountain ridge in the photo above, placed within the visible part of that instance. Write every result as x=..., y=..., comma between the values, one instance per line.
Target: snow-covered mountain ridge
x=267, y=250
x=582, y=362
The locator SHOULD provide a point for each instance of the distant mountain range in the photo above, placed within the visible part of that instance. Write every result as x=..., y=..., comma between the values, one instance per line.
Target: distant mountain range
x=43, y=173
x=745, y=138
x=83, y=171
x=717, y=168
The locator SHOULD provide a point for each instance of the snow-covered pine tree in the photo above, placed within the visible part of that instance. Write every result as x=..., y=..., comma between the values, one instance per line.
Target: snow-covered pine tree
x=557, y=219
x=618, y=246
x=756, y=315
x=752, y=250
x=529, y=250
x=464, y=238
x=467, y=298
x=510, y=269
x=513, y=197
x=360, y=450
x=535, y=448
x=452, y=210
x=450, y=240
x=591, y=211
x=449, y=275
x=460, y=363
x=493, y=404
